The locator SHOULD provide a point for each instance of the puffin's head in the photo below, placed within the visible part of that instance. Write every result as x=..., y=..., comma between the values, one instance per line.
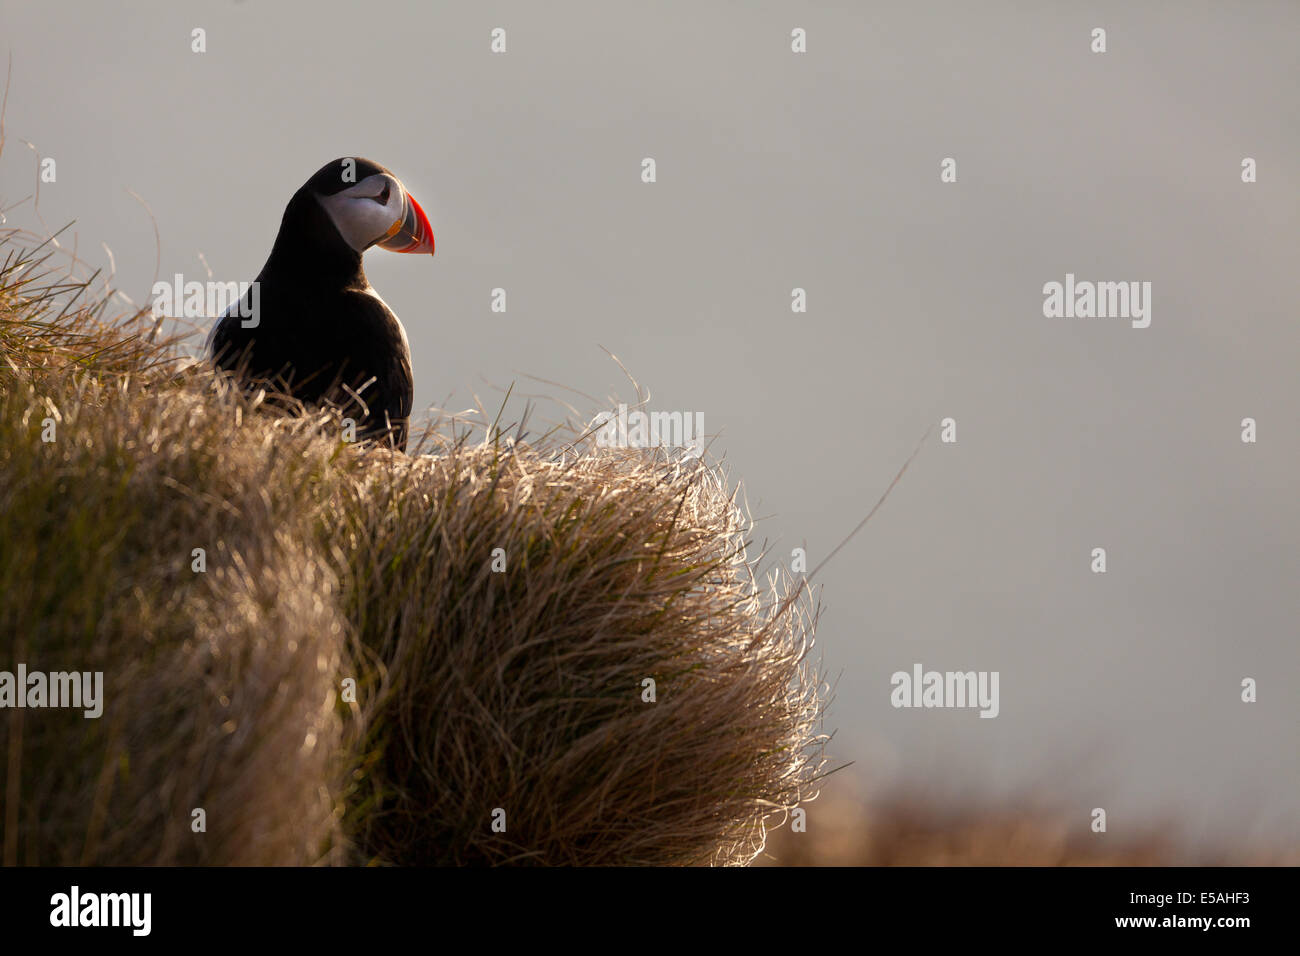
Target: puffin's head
x=369, y=206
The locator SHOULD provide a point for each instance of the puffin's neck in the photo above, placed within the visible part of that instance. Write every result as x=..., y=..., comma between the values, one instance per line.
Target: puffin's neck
x=309, y=249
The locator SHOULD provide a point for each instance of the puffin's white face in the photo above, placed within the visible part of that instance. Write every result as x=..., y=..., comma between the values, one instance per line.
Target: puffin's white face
x=378, y=210
x=366, y=212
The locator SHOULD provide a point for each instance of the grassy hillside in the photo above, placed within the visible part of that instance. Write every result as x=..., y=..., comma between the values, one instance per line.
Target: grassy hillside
x=308, y=641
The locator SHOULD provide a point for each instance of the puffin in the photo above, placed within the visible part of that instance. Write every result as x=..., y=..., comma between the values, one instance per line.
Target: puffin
x=312, y=327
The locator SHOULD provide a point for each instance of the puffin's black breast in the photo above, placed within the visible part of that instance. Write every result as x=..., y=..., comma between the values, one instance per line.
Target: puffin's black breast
x=316, y=344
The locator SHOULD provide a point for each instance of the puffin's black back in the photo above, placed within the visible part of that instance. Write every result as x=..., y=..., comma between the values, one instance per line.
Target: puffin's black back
x=320, y=329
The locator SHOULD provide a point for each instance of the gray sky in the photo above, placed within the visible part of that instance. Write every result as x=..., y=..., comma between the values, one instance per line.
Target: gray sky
x=925, y=300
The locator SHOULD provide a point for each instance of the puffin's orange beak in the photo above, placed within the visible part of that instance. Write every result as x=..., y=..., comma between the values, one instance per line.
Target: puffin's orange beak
x=411, y=233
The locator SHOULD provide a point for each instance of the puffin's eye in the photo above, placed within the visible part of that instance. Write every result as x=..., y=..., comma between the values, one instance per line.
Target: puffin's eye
x=382, y=198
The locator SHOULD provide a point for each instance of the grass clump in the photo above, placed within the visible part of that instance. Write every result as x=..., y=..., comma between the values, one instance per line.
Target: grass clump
x=383, y=651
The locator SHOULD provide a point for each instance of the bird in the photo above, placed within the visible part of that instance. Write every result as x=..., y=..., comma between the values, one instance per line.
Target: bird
x=311, y=326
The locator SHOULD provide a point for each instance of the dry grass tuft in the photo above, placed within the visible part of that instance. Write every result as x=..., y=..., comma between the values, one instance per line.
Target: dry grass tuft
x=523, y=690
x=476, y=690
x=219, y=686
